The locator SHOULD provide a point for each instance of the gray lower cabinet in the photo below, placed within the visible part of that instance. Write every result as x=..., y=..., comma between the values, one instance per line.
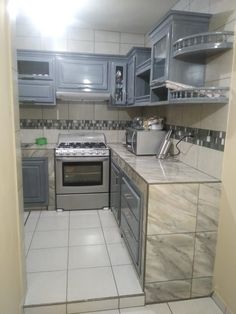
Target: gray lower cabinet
x=131, y=219
x=115, y=182
x=35, y=181
x=88, y=74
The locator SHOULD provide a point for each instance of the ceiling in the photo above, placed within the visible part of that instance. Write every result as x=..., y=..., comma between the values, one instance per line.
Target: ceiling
x=135, y=16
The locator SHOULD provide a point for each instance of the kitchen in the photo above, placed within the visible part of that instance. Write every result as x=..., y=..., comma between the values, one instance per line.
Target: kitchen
x=204, y=153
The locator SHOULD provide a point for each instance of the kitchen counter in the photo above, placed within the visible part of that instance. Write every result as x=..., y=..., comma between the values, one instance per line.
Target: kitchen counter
x=156, y=171
x=35, y=146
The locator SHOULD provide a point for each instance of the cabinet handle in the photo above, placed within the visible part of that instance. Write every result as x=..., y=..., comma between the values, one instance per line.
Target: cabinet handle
x=128, y=196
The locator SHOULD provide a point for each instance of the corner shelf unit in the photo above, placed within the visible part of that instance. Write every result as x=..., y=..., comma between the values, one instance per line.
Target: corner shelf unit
x=203, y=44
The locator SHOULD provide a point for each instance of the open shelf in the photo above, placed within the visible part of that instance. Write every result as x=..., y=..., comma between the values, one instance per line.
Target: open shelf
x=143, y=68
x=199, y=95
x=202, y=45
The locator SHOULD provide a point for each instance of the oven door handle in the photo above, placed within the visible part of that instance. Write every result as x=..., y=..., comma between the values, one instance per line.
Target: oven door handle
x=84, y=159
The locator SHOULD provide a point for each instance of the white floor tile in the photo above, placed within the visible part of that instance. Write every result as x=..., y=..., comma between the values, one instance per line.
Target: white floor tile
x=53, y=223
x=204, y=305
x=126, y=280
x=54, y=213
x=90, y=236
x=46, y=287
x=47, y=259
x=85, y=220
x=90, y=283
x=35, y=213
x=112, y=235
x=48, y=239
x=31, y=224
x=28, y=239
x=118, y=254
x=148, y=309
x=83, y=212
x=107, y=219
x=52, y=309
x=88, y=256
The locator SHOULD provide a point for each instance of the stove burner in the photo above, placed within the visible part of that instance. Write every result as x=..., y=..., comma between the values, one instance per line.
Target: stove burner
x=81, y=145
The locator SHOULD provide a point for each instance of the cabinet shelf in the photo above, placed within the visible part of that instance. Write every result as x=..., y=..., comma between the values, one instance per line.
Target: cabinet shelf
x=144, y=68
x=199, y=95
x=203, y=44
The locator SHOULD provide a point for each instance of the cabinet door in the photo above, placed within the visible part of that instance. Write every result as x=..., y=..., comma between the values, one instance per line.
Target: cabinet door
x=36, y=92
x=35, y=181
x=84, y=74
x=118, y=83
x=115, y=192
x=31, y=66
x=160, y=56
x=131, y=80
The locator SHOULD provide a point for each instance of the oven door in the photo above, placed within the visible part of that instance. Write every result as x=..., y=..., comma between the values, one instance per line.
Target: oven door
x=82, y=175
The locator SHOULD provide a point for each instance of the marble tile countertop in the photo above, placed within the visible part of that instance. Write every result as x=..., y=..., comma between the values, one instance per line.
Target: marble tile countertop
x=35, y=146
x=155, y=171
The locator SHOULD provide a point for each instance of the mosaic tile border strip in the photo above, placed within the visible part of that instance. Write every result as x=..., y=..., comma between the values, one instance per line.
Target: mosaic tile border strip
x=75, y=124
x=202, y=137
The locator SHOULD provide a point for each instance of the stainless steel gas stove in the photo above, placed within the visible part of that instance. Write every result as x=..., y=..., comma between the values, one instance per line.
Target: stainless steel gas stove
x=82, y=171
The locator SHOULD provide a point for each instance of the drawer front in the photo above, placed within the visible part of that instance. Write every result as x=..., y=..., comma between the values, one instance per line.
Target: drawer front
x=130, y=218
x=132, y=198
x=133, y=245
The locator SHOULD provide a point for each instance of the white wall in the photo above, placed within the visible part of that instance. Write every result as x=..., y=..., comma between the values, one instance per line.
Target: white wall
x=12, y=280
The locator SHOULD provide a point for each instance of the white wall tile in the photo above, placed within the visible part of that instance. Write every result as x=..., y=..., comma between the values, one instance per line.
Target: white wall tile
x=80, y=46
x=125, y=48
x=29, y=135
x=107, y=48
x=103, y=112
x=31, y=112
x=76, y=33
x=202, y=6
x=106, y=36
x=28, y=43
x=81, y=111
x=54, y=44
x=130, y=38
x=210, y=161
x=28, y=30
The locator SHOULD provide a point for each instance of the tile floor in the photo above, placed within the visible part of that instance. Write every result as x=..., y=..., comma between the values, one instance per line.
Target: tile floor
x=69, y=255
x=77, y=256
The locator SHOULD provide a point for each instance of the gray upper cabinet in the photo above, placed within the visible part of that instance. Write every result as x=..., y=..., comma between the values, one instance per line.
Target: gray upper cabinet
x=118, y=82
x=35, y=66
x=175, y=25
x=36, y=73
x=131, y=80
x=36, y=92
x=35, y=181
x=87, y=74
x=138, y=75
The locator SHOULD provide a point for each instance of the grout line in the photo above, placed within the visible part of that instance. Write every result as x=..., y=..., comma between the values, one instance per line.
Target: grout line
x=32, y=234
x=67, y=270
x=110, y=263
